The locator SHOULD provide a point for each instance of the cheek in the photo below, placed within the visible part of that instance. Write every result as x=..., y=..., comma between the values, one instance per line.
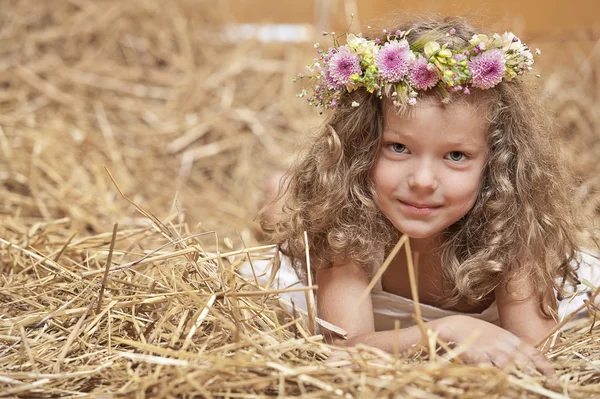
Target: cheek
x=464, y=190
x=383, y=178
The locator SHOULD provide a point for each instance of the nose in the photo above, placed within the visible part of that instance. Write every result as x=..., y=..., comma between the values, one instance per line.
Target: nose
x=423, y=176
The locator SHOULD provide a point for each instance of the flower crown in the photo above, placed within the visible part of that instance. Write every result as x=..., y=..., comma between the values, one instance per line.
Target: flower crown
x=400, y=69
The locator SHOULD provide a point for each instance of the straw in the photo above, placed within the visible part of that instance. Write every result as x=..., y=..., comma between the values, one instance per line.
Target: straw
x=190, y=127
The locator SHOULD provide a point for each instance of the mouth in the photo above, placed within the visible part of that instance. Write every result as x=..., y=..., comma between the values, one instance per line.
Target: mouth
x=419, y=208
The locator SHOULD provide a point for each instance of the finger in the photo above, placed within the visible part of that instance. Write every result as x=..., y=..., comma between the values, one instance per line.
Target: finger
x=524, y=363
x=477, y=356
x=510, y=354
x=485, y=363
x=338, y=355
x=501, y=360
x=507, y=356
x=539, y=360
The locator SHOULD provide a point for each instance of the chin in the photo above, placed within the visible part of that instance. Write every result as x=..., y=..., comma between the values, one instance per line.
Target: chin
x=416, y=232
x=418, y=235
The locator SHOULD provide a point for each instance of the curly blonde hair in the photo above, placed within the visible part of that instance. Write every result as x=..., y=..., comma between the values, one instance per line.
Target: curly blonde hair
x=522, y=223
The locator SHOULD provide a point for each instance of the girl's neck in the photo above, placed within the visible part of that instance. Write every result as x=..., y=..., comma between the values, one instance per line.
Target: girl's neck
x=425, y=245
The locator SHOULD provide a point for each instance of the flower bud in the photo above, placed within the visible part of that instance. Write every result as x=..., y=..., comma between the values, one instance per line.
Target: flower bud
x=445, y=53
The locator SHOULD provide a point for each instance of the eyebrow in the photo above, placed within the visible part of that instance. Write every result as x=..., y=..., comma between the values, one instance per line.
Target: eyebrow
x=466, y=143
x=457, y=143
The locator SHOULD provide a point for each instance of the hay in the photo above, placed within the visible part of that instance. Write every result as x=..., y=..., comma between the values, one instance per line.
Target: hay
x=189, y=127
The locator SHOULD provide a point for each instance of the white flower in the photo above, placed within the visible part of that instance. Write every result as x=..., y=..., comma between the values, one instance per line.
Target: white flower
x=476, y=39
x=355, y=104
x=431, y=48
x=538, y=51
x=526, y=55
x=363, y=47
x=317, y=45
x=510, y=42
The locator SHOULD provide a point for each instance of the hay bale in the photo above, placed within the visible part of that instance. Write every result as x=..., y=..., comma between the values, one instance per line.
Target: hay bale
x=156, y=308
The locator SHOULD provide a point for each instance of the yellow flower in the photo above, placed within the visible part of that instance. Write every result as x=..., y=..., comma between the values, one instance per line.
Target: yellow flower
x=445, y=53
x=363, y=47
x=431, y=48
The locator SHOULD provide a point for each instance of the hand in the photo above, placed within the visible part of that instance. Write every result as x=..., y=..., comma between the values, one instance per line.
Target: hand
x=492, y=346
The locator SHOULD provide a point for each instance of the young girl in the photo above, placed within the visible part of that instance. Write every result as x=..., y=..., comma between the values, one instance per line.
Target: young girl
x=433, y=134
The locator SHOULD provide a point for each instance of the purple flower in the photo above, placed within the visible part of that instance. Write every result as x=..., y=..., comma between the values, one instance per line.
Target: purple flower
x=393, y=60
x=329, y=82
x=452, y=31
x=487, y=69
x=342, y=65
x=459, y=57
x=420, y=76
x=329, y=54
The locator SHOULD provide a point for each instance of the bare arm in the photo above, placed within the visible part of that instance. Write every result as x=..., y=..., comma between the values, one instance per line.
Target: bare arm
x=340, y=287
x=519, y=310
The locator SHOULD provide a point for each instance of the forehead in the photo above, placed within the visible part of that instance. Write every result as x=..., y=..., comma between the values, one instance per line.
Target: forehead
x=460, y=120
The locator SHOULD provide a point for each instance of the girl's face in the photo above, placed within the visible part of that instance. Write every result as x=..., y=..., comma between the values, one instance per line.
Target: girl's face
x=429, y=169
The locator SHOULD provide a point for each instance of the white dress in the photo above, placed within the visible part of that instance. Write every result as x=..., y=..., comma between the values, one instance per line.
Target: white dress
x=388, y=307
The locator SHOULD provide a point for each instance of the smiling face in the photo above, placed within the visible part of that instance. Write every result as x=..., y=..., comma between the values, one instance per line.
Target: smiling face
x=429, y=168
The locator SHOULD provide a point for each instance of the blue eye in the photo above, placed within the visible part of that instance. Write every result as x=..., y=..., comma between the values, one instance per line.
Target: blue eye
x=398, y=148
x=456, y=156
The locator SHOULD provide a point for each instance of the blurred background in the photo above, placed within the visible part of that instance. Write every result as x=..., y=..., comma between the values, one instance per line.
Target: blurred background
x=190, y=104
x=553, y=18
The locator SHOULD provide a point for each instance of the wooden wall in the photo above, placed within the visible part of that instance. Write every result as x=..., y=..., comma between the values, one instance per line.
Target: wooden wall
x=531, y=16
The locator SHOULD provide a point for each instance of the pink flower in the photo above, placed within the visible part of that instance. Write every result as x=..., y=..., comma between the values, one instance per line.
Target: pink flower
x=420, y=76
x=393, y=60
x=487, y=69
x=341, y=66
x=329, y=82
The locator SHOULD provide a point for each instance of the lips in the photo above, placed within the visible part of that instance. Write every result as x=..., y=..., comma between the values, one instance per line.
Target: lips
x=420, y=206
x=418, y=209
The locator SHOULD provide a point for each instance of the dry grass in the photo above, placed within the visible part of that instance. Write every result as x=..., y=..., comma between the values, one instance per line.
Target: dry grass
x=189, y=127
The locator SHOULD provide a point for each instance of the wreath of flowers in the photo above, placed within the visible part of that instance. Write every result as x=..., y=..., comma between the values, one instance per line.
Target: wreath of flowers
x=400, y=69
